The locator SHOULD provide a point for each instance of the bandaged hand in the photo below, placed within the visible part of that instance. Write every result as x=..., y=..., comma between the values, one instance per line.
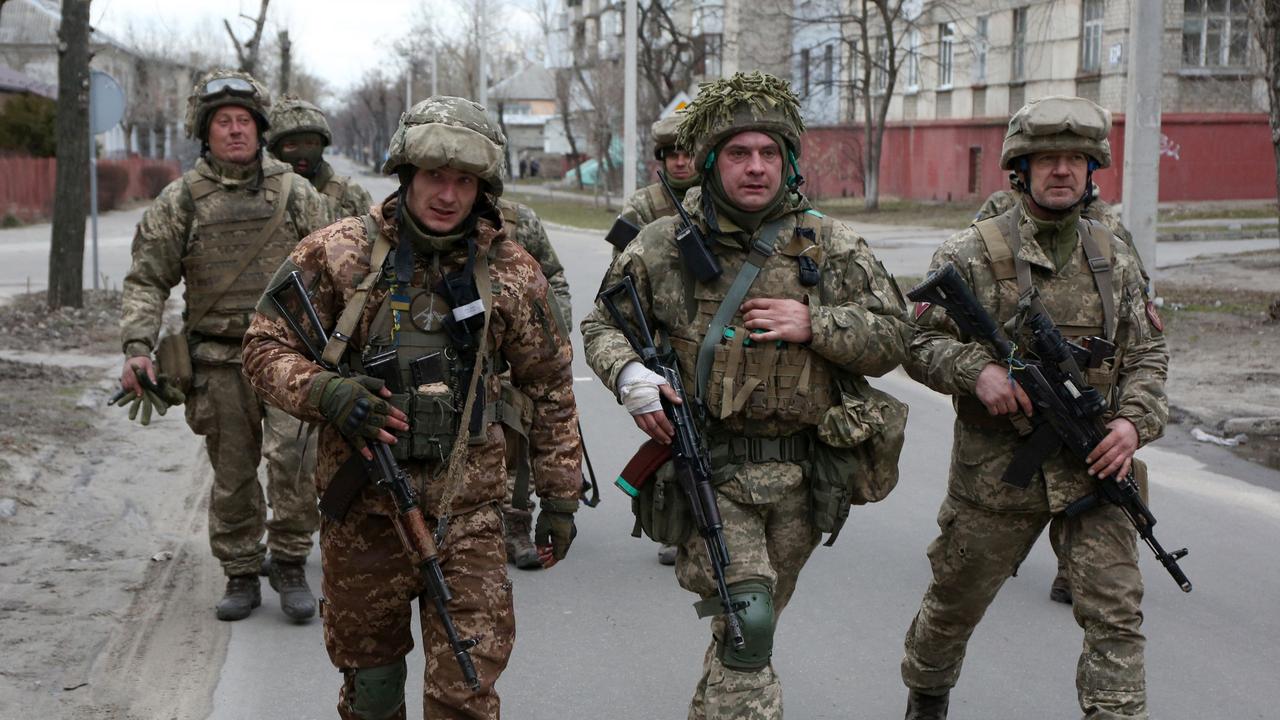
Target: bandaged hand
x=638, y=388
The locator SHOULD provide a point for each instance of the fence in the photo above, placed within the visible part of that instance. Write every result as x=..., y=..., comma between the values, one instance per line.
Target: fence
x=27, y=184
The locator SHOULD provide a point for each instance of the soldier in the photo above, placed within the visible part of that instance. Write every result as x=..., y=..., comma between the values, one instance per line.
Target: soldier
x=820, y=314
x=1093, y=208
x=299, y=135
x=431, y=277
x=222, y=229
x=517, y=516
x=1090, y=284
x=652, y=201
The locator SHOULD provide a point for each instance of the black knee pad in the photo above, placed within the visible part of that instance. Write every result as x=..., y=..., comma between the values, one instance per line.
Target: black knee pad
x=378, y=692
x=756, y=620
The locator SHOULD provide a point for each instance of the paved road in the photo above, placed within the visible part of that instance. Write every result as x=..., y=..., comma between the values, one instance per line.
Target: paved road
x=609, y=634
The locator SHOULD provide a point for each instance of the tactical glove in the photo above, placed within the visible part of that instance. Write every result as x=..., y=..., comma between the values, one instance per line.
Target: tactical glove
x=156, y=397
x=555, y=526
x=350, y=403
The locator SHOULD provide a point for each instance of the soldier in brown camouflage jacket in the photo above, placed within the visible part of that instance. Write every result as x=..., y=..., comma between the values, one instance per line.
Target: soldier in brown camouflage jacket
x=222, y=229
x=442, y=223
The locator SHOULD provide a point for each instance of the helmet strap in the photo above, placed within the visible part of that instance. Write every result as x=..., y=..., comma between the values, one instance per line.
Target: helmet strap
x=796, y=179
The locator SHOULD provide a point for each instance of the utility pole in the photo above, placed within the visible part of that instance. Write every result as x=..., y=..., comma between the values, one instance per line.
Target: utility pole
x=1142, y=127
x=286, y=60
x=408, y=86
x=483, y=91
x=629, y=102
x=435, y=69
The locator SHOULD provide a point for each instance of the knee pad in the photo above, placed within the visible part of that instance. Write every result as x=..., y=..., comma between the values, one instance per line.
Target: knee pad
x=378, y=692
x=756, y=620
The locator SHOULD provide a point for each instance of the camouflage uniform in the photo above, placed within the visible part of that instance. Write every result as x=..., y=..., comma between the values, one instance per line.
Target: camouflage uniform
x=988, y=526
x=652, y=202
x=532, y=236
x=858, y=325
x=291, y=115
x=194, y=232
x=369, y=583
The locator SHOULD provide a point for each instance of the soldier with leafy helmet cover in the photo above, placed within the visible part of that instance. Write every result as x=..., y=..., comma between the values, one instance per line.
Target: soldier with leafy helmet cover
x=428, y=297
x=221, y=230
x=1043, y=255
x=299, y=135
x=775, y=314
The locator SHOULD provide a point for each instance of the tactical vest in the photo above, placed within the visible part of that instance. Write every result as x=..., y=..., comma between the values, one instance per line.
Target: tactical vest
x=659, y=201
x=751, y=382
x=228, y=228
x=1002, y=241
x=433, y=376
x=335, y=188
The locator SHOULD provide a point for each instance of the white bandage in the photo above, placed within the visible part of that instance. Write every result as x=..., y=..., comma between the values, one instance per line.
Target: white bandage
x=638, y=388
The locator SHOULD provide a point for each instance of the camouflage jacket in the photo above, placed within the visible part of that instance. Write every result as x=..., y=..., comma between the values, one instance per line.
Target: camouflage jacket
x=345, y=196
x=160, y=245
x=949, y=362
x=857, y=315
x=648, y=204
x=521, y=331
x=1002, y=200
x=532, y=236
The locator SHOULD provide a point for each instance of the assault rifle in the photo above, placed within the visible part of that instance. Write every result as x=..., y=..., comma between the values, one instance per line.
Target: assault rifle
x=1068, y=412
x=693, y=469
x=294, y=305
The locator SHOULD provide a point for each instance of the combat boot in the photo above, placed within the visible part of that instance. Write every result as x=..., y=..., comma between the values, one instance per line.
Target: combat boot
x=1060, y=591
x=520, y=549
x=927, y=707
x=242, y=596
x=290, y=581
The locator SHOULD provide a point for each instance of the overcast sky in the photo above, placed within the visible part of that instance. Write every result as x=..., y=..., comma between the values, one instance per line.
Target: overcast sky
x=337, y=40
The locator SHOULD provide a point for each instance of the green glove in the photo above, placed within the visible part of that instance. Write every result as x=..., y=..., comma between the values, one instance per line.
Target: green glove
x=555, y=526
x=156, y=397
x=350, y=403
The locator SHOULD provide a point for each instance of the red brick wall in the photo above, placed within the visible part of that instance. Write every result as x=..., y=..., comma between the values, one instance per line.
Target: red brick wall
x=27, y=184
x=1203, y=157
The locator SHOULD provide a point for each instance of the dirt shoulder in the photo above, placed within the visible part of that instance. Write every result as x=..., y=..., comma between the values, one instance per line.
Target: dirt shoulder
x=106, y=579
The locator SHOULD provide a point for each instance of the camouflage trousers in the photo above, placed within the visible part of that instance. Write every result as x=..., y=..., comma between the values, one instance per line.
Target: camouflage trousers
x=370, y=586
x=978, y=550
x=239, y=430
x=770, y=537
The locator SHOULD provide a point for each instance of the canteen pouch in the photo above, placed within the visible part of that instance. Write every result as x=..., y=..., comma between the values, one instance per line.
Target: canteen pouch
x=661, y=508
x=173, y=355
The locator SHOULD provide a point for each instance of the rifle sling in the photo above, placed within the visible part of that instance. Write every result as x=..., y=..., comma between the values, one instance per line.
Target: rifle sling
x=344, y=487
x=259, y=242
x=761, y=250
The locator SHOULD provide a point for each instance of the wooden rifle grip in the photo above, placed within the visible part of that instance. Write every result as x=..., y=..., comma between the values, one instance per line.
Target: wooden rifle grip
x=417, y=539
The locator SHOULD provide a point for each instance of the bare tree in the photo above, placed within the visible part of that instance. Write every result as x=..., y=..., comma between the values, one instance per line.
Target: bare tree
x=71, y=127
x=247, y=52
x=286, y=61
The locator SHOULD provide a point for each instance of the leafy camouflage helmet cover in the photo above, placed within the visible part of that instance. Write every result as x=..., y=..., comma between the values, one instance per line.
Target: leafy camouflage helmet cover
x=202, y=101
x=291, y=114
x=446, y=131
x=728, y=106
x=1058, y=123
x=664, y=133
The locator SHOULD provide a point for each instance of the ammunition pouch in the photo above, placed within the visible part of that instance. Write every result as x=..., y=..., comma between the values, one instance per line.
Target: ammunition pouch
x=173, y=356
x=660, y=507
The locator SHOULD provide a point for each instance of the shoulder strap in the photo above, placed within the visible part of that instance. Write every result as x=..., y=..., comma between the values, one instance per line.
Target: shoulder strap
x=659, y=201
x=1096, y=241
x=200, y=186
x=761, y=251
x=259, y=242
x=335, y=187
x=998, y=251
x=509, y=215
x=340, y=338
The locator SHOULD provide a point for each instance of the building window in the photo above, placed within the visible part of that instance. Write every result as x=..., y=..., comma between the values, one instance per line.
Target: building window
x=1091, y=36
x=708, y=49
x=804, y=72
x=913, y=62
x=1215, y=33
x=829, y=67
x=980, y=46
x=1018, y=68
x=946, y=53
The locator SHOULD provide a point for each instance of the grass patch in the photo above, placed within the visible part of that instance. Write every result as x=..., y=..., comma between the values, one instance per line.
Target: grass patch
x=948, y=216
x=573, y=213
x=1199, y=213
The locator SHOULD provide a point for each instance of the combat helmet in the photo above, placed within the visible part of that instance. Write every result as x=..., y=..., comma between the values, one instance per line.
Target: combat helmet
x=225, y=87
x=446, y=131
x=736, y=104
x=664, y=135
x=1058, y=123
x=291, y=114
